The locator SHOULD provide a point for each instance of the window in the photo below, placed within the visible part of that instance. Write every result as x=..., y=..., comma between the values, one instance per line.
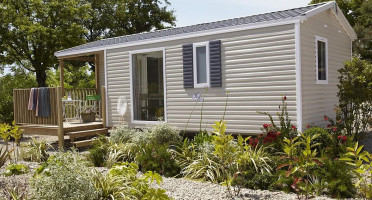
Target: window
x=321, y=60
x=147, y=86
x=201, y=65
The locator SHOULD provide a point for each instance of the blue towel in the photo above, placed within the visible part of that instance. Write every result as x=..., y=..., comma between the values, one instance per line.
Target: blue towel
x=43, y=102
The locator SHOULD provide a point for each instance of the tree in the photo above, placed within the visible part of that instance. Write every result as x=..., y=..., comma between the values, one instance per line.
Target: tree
x=359, y=15
x=75, y=77
x=19, y=78
x=32, y=30
x=112, y=18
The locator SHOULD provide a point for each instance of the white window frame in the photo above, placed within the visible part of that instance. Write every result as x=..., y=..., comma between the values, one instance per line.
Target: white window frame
x=196, y=84
x=143, y=122
x=322, y=39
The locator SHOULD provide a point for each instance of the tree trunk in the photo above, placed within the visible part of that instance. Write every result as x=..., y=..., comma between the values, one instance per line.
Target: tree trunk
x=41, y=78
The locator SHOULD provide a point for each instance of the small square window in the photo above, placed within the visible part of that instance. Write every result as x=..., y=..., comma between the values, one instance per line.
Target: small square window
x=321, y=60
x=201, y=65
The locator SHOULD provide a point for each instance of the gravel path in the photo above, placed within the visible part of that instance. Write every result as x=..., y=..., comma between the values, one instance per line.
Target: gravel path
x=183, y=189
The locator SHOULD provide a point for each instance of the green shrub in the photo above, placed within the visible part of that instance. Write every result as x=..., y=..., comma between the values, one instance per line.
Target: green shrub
x=63, y=176
x=156, y=157
x=337, y=175
x=16, y=169
x=35, y=151
x=122, y=182
x=122, y=134
x=257, y=181
x=201, y=138
x=324, y=139
x=164, y=134
x=4, y=156
x=98, y=152
x=355, y=94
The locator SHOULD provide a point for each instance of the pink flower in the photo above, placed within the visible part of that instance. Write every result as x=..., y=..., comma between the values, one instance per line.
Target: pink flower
x=334, y=129
x=278, y=133
x=308, y=126
x=339, y=137
x=344, y=138
x=265, y=126
x=325, y=118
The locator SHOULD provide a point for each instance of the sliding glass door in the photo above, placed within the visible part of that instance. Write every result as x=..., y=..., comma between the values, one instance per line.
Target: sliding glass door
x=148, y=86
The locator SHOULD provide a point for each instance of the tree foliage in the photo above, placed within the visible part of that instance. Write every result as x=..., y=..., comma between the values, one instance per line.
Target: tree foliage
x=74, y=77
x=18, y=79
x=355, y=94
x=32, y=30
x=112, y=18
x=359, y=15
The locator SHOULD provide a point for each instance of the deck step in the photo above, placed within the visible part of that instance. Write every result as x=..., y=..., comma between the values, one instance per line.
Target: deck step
x=83, y=143
x=85, y=133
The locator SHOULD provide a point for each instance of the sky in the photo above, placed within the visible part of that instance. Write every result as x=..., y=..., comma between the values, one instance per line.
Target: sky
x=190, y=12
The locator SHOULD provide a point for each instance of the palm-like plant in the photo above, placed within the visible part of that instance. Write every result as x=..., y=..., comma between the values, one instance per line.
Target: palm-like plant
x=36, y=151
x=4, y=156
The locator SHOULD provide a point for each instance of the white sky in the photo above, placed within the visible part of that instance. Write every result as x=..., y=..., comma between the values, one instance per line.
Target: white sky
x=190, y=12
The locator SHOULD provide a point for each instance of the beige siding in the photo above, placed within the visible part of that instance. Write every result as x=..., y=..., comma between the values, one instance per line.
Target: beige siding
x=258, y=67
x=319, y=100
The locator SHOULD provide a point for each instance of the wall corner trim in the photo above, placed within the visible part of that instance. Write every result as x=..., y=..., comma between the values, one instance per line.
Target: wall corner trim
x=298, y=76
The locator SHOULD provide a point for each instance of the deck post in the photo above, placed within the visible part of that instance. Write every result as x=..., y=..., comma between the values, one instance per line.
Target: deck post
x=96, y=71
x=61, y=75
x=103, y=106
x=60, y=118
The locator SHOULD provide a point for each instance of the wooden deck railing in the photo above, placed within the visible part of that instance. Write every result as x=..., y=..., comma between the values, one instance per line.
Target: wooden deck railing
x=77, y=94
x=24, y=116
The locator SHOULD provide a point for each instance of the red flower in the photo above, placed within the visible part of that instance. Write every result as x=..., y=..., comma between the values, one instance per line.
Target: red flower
x=344, y=138
x=265, y=126
x=285, y=98
x=325, y=118
x=328, y=125
x=278, y=133
x=339, y=137
x=293, y=127
x=334, y=129
x=308, y=126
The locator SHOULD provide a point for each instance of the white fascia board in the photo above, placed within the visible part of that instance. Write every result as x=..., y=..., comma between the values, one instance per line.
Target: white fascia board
x=185, y=36
x=339, y=15
x=298, y=76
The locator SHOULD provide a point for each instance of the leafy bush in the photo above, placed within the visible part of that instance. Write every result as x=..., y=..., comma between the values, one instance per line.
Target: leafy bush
x=338, y=177
x=122, y=182
x=16, y=169
x=361, y=163
x=355, y=94
x=35, y=151
x=164, y=134
x=122, y=134
x=156, y=157
x=324, y=139
x=98, y=152
x=63, y=176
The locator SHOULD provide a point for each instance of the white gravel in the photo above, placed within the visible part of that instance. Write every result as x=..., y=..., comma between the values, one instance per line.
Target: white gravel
x=180, y=188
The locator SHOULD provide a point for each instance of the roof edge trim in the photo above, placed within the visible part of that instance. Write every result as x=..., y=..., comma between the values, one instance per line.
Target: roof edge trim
x=339, y=15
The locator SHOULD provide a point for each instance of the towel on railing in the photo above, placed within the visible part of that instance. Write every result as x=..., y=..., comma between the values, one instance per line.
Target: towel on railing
x=43, y=103
x=32, y=100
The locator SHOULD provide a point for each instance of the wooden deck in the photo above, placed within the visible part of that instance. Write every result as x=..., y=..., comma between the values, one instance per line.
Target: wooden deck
x=30, y=129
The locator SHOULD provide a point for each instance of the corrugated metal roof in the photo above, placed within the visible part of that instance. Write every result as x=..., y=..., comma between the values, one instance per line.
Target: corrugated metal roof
x=272, y=16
